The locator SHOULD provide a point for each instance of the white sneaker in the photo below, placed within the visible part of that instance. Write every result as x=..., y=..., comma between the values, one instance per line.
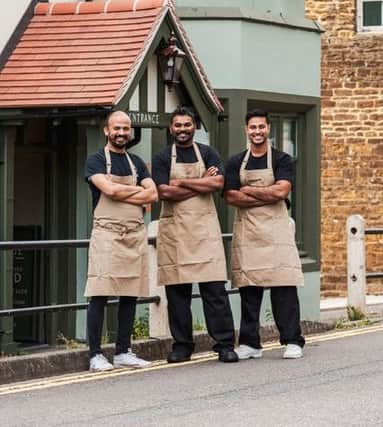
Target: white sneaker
x=124, y=360
x=247, y=352
x=293, y=351
x=100, y=363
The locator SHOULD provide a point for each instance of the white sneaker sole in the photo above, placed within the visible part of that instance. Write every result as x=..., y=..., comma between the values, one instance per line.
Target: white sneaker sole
x=101, y=369
x=119, y=365
x=250, y=357
x=297, y=356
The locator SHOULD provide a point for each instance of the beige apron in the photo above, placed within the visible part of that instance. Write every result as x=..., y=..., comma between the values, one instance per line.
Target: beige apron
x=190, y=247
x=264, y=252
x=118, y=251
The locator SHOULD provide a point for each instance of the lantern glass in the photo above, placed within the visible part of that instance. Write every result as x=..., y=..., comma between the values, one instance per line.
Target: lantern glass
x=171, y=59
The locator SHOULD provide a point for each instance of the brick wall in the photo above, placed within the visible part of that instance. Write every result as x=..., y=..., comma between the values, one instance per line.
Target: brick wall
x=352, y=139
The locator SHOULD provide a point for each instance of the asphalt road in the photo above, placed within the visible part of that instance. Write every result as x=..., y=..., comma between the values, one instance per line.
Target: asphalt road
x=339, y=382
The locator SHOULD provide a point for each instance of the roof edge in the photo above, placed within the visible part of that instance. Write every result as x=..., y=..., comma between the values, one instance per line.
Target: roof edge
x=141, y=55
x=97, y=6
x=244, y=14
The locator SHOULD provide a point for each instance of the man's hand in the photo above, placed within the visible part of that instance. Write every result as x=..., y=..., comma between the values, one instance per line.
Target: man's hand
x=134, y=194
x=175, y=193
x=242, y=200
x=212, y=171
x=175, y=183
x=272, y=193
x=114, y=190
x=148, y=193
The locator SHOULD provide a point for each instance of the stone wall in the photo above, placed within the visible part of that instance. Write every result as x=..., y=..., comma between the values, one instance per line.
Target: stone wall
x=352, y=139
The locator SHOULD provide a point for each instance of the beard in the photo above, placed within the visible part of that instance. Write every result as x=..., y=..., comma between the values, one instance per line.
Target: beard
x=184, y=138
x=116, y=142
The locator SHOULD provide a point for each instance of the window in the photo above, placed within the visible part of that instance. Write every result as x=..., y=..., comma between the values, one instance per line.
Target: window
x=370, y=16
x=285, y=133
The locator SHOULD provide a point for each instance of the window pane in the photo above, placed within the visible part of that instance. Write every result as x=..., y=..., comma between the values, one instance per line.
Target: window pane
x=273, y=135
x=372, y=13
x=290, y=137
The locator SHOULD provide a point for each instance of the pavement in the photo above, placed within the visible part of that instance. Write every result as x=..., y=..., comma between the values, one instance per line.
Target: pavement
x=60, y=361
x=337, y=383
x=334, y=309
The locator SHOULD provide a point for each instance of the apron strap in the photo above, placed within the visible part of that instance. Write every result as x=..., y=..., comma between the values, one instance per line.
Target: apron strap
x=173, y=159
x=199, y=158
x=197, y=154
x=108, y=161
x=132, y=168
x=243, y=166
x=246, y=159
x=269, y=156
x=109, y=164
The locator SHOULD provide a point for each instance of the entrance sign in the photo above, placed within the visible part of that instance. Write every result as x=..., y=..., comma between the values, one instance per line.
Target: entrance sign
x=149, y=120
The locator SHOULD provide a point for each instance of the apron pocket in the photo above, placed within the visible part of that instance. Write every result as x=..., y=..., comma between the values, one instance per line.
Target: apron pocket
x=259, y=258
x=99, y=253
x=127, y=252
x=166, y=253
x=191, y=252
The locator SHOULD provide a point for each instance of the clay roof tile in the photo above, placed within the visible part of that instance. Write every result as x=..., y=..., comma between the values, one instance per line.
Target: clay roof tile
x=86, y=53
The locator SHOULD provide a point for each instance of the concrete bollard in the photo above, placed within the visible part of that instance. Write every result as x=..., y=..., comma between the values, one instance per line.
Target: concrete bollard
x=356, y=263
x=158, y=316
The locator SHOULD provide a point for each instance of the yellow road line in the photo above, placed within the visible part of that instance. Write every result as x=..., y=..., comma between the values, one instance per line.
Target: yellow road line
x=199, y=358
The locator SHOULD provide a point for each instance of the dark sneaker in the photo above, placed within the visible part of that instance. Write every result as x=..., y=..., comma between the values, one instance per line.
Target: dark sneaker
x=227, y=356
x=178, y=357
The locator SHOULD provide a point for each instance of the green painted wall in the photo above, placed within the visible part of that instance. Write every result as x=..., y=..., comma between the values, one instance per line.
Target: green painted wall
x=256, y=56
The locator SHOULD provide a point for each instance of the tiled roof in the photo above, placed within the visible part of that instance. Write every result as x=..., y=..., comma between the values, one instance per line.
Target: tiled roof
x=83, y=53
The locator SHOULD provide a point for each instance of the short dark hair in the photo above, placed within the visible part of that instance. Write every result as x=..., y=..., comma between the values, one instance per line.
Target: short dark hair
x=183, y=111
x=257, y=112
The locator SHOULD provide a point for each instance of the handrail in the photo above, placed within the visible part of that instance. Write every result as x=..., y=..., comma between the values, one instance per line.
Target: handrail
x=58, y=244
x=67, y=307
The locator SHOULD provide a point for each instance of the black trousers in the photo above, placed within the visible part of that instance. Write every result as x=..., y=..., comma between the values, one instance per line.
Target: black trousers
x=217, y=311
x=95, y=320
x=285, y=308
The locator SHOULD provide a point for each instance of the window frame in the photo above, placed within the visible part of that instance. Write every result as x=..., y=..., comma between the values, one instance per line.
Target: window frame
x=359, y=19
x=297, y=194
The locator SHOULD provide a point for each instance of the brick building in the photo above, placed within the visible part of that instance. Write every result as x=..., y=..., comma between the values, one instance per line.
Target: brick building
x=352, y=132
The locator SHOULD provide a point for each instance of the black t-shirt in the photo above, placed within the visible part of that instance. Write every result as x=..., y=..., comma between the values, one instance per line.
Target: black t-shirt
x=162, y=161
x=283, y=167
x=96, y=163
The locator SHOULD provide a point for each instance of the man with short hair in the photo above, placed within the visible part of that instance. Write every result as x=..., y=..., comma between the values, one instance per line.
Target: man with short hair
x=190, y=247
x=118, y=253
x=264, y=254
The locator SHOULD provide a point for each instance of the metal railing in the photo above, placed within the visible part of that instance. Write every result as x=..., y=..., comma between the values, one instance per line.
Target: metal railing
x=356, y=261
x=61, y=244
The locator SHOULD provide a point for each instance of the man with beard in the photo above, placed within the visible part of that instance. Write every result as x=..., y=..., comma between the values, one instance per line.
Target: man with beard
x=190, y=247
x=264, y=253
x=118, y=254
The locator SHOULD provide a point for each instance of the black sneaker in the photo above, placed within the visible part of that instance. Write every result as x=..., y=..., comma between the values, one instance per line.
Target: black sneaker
x=227, y=356
x=178, y=357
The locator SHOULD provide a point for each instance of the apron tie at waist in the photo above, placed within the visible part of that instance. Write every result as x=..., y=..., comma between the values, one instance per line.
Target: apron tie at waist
x=117, y=228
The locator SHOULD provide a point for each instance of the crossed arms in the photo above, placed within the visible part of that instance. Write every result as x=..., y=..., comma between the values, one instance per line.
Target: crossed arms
x=141, y=194
x=250, y=197
x=186, y=188
x=179, y=190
